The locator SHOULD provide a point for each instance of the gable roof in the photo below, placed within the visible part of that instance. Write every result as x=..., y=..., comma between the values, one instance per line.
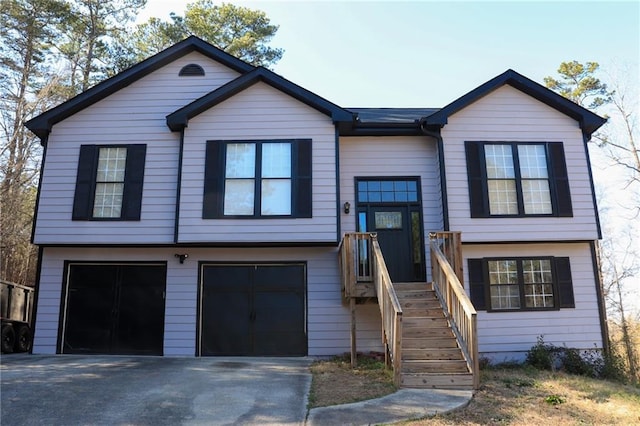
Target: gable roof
x=589, y=122
x=179, y=119
x=42, y=124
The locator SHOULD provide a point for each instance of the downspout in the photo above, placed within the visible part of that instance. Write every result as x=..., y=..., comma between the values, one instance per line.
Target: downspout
x=443, y=181
x=178, y=189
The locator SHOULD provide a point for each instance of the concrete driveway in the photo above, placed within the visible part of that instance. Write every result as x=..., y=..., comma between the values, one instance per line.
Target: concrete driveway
x=128, y=390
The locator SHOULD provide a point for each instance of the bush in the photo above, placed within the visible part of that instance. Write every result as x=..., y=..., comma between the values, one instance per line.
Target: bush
x=542, y=356
x=592, y=363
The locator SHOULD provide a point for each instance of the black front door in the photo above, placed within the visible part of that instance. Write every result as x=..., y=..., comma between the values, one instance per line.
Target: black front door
x=114, y=309
x=253, y=310
x=392, y=208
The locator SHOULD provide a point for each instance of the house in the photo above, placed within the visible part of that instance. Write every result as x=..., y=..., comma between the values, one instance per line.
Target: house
x=195, y=205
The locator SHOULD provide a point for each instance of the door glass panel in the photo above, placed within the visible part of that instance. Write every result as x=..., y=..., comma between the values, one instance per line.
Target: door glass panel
x=388, y=220
x=416, y=238
x=388, y=191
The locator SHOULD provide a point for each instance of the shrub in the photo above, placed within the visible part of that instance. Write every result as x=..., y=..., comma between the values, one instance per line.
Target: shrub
x=542, y=356
x=593, y=363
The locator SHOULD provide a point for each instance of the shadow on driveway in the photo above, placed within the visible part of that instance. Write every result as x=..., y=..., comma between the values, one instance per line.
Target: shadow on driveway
x=119, y=390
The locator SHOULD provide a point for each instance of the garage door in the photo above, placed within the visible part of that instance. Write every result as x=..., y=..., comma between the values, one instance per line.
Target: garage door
x=114, y=309
x=256, y=310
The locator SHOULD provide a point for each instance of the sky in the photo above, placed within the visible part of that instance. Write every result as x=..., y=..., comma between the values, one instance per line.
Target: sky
x=427, y=54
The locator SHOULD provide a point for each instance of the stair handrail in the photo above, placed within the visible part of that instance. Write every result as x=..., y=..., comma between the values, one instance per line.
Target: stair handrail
x=390, y=310
x=458, y=308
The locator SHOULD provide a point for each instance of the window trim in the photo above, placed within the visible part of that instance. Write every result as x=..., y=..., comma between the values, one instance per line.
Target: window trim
x=559, y=191
x=215, y=179
x=481, y=297
x=86, y=182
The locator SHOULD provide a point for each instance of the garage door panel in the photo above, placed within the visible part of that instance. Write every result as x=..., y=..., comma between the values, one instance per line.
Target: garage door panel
x=90, y=298
x=268, y=314
x=227, y=319
x=114, y=309
x=141, y=310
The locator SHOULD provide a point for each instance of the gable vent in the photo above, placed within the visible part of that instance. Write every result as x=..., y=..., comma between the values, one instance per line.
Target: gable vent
x=191, y=70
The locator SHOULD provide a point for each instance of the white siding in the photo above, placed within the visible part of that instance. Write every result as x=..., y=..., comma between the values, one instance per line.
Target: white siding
x=392, y=156
x=508, y=335
x=510, y=115
x=260, y=112
x=328, y=318
x=134, y=114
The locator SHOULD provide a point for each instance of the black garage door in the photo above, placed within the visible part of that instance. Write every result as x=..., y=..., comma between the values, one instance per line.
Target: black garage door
x=253, y=310
x=114, y=309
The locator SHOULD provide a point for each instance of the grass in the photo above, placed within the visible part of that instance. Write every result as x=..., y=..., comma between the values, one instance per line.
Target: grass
x=517, y=395
x=335, y=382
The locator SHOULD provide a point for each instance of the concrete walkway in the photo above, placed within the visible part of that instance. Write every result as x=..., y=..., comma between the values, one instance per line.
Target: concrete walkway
x=130, y=390
x=405, y=404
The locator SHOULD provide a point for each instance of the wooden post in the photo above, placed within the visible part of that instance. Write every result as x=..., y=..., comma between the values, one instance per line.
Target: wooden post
x=457, y=256
x=352, y=305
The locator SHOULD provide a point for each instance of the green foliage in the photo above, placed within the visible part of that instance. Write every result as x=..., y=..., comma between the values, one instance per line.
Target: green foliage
x=554, y=399
x=590, y=363
x=240, y=31
x=578, y=83
x=542, y=356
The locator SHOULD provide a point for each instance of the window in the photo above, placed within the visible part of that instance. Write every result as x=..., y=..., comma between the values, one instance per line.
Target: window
x=250, y=179
x=509, y=284
x=109, y=182
x=517, y=179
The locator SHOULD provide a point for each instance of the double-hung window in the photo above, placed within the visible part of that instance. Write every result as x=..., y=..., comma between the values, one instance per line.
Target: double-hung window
x=517, y=179
x=508, y=284
x=109, y=182
x=257, y=179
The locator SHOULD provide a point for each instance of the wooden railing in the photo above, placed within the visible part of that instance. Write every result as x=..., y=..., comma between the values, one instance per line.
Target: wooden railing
x=362, y=261
x=355, y=262
x=447, y=282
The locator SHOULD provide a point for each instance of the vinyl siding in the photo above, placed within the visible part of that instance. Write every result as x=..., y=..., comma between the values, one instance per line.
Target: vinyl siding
x=260, y=112
x=392, y=156
x=328, y=319
x=134, y=114
x=510, y=115
x=505, y=335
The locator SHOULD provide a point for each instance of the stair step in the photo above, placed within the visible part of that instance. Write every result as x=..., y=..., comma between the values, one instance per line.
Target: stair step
x=432, y=354
x=422, y=313
x=428, y=343
x=412, y=286
x=439, y=381
x=425, y=322
x=416, y=294
x=435, y=366
x=427, y=333
x=420, y=304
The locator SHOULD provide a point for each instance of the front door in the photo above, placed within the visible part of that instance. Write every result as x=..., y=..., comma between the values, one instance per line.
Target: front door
x=392, y=208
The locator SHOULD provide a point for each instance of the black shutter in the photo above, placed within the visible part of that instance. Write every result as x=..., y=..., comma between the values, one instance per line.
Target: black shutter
x=477, y=176
x=477, y=284
x=560, y=179
x=565, y=285
x=302, y=192
x=85, y=183
x=213, y=180
x=133, y=182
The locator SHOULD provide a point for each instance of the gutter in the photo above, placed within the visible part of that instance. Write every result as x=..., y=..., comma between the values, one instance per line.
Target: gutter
x=443, y=178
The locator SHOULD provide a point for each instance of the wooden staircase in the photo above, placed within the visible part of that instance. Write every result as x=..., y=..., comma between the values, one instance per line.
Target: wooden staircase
x=431, y=356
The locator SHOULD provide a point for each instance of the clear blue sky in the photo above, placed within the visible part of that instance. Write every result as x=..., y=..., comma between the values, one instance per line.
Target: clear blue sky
x=426, y=54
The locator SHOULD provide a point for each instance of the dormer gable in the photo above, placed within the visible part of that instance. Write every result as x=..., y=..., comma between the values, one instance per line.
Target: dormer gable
x=42, y=124
x=589, y=122
x=179, y=119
